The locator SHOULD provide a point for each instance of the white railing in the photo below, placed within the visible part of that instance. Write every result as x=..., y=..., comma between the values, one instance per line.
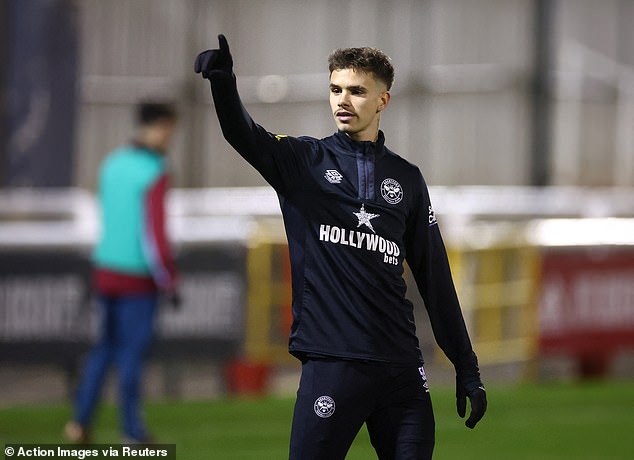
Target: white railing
x=472, y=215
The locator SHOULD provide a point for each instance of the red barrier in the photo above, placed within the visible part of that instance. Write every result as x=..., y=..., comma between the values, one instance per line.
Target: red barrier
x=587, y=304
x=245, y=378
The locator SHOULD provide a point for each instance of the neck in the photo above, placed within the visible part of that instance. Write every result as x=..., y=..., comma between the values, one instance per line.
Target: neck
x=148, y=145
x=370, y=134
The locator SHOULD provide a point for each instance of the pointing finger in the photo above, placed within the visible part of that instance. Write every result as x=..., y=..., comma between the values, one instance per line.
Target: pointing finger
x=224, y=46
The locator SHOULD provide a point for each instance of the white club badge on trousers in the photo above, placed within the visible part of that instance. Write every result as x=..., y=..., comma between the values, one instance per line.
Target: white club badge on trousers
x=324, y=406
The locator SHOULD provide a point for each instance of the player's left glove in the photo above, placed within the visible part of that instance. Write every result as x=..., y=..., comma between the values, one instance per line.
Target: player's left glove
x=477, y=396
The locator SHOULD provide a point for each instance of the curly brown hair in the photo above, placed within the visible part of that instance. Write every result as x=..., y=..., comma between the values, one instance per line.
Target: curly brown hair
x=363, y=59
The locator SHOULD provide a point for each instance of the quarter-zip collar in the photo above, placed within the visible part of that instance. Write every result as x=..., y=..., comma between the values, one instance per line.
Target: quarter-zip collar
x=365, y=153
x=348, y=145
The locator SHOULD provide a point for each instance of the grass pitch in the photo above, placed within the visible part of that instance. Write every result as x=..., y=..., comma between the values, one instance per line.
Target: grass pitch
x=590, y=421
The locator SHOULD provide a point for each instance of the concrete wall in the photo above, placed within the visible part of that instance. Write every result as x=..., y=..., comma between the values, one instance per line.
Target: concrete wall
x=462, y=101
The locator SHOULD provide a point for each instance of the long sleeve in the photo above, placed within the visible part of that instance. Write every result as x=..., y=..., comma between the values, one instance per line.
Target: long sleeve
x=427, y=258
x=156, y=245
x=280, y=159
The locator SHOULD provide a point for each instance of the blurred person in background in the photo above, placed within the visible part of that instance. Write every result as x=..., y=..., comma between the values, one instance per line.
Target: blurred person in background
x=133, y=264
x=354, y=211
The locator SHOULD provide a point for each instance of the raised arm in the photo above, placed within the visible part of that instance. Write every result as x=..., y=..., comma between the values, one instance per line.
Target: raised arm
x=427, y=258
x=279, y=159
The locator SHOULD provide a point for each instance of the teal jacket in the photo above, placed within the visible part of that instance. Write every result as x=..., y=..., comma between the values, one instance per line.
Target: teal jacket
x=133, y=253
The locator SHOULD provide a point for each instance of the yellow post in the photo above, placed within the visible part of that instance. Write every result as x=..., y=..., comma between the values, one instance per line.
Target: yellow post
x=497, y=287
x=259, y=300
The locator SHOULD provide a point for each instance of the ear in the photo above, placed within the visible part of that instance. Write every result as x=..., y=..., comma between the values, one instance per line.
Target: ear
x=384, y=100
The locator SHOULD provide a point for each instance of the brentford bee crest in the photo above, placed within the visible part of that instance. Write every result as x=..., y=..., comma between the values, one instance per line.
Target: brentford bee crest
x=324, y=406
x=391, y=191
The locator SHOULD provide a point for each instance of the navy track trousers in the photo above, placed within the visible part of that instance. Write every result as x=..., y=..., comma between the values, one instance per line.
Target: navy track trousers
x=335, y=398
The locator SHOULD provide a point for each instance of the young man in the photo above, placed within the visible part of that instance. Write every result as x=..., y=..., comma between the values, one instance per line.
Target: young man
x=354, y=212
x=133, y=263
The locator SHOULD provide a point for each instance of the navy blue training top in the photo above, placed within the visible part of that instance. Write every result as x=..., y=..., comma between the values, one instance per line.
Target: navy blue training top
x=353, y=213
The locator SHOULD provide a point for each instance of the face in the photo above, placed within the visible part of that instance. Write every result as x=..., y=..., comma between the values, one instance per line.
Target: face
x=357, y=100
x=166, y=130
x=159, y=134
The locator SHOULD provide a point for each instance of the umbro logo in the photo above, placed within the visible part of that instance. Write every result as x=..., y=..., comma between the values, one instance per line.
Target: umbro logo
x=333, y=176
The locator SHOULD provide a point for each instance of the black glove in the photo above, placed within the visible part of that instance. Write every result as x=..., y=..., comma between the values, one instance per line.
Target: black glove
x=478, y=397
x=214, y=60
x=175, y=300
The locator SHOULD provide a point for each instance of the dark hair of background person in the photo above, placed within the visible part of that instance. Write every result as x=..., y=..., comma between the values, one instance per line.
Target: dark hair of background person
x=149, y=112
